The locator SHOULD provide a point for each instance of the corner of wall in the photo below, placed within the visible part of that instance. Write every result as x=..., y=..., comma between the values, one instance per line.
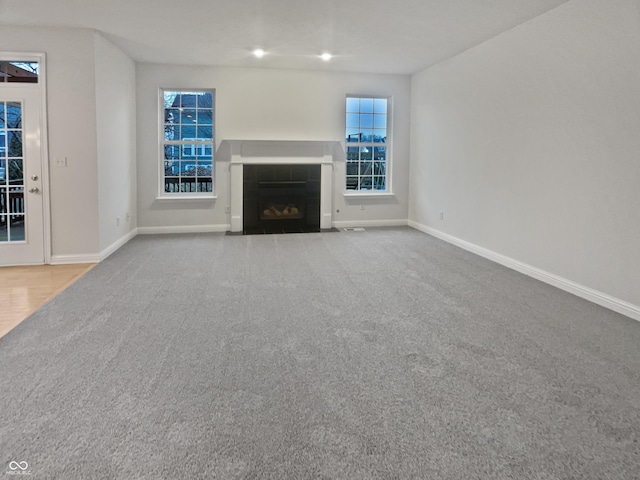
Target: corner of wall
x=116, y=142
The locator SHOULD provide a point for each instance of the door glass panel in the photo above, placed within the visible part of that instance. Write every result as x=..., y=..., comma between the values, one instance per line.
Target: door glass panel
x=12, y=182
x=15, y=171
x=16, y=229
x=3, y=215
x=14, y=143
x=16, y=201
x=13, y=112
x=19, y=72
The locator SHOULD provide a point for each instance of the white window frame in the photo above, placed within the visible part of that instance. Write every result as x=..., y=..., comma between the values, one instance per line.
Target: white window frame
x=185, y=142
x=388, y=145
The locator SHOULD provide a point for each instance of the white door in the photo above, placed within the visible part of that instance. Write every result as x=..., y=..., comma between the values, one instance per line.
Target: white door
x=21, y=198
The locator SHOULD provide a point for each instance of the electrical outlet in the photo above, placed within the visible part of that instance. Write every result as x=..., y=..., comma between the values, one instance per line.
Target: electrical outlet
x=361, y=207
x=128, y=217
x=60, y=161
x=441, y=215
x=117, y=221
x=227, y=209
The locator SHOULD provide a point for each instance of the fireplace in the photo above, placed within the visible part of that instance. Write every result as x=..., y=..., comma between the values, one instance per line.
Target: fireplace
x=281, y=198
x=267, y=176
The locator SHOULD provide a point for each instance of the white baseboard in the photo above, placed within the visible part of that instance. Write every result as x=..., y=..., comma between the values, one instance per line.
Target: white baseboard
x=68, y=259
x=117, y=244
x=184, y=229
x=370, y=223
x=599, y=298
x=93, y=258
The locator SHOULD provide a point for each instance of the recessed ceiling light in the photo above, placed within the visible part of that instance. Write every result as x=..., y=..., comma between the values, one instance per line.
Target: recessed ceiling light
x=326, y=56
x=258, y=53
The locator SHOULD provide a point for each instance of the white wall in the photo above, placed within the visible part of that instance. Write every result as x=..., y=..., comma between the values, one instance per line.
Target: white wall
x=529, y=144
x=262, y=104
x=72, y=132
x=116, y=142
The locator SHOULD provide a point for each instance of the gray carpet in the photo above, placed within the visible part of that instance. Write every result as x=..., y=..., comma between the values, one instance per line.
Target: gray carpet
x=384, y=354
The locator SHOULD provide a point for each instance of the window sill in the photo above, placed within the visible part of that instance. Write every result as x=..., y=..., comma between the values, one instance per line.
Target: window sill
x=202, y=198
x=367, y=193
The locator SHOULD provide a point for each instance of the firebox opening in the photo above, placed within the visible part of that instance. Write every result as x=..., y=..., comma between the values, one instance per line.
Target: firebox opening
x=281, y=199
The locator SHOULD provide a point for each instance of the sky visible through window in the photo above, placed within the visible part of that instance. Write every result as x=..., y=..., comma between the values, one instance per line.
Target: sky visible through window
x=32, y=67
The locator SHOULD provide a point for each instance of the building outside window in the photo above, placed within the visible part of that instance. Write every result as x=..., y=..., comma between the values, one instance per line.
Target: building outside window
x=188, y=142
x=367, y=144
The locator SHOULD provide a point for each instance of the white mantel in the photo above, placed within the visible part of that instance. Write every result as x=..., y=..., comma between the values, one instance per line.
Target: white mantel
x=282, y=152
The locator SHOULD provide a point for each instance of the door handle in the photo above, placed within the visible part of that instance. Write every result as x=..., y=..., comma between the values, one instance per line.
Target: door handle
x=34, y=190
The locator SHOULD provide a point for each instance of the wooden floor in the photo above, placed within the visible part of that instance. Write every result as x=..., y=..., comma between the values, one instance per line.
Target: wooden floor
x=25, y=289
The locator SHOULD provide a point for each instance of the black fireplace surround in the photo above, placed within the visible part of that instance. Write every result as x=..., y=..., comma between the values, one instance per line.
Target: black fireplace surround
x=280, y=199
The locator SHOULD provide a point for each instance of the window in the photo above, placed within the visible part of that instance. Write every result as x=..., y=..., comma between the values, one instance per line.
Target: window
x=19, y=72
x=367, y=141
x=187, y=142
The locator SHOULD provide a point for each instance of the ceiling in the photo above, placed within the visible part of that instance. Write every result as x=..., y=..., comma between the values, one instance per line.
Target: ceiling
x=368, y=36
